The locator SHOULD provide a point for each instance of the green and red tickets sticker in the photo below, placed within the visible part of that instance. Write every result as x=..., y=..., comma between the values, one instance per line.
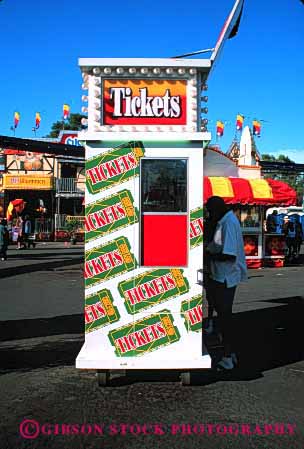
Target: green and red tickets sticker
x=196, y=227
x=110, y=214
x=99, y=310
x=107, y=261
x=145, y=335
x=152, y=288
x=113, y=167
x=192, y=312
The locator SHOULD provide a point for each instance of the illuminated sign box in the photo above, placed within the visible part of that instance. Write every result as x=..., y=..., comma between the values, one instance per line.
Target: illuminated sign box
x=144, y=101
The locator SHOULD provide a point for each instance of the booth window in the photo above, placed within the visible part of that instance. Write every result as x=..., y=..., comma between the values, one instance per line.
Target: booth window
x=164, y=212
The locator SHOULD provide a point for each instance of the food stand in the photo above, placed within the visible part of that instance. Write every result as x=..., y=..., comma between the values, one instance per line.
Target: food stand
x=250, y=198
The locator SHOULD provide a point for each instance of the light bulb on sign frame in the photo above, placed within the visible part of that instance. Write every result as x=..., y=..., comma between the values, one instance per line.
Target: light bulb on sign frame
x=204, y=99
x=96, y=71
x=119, y=70
x=107, y=70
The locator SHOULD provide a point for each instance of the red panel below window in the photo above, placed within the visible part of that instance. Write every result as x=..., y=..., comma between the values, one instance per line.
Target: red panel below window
x=164, y=240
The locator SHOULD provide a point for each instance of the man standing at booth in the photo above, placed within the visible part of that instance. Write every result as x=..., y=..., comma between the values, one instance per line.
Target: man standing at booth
x=227, y=269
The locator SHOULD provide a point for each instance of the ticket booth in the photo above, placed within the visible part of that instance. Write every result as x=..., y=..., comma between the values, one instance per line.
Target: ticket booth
x=144, y=146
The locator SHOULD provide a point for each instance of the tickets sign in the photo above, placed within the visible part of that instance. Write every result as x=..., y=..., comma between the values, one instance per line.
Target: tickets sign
x=192, y=312
x=144, y=101
x=107, y=261
x=113, y=167
x=109, y=214
x=99, y=310
x=196, y=227
x=146, y=335
x=152, y=288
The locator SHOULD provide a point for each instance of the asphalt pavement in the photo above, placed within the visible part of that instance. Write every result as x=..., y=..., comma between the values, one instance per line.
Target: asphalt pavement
x=259, y=405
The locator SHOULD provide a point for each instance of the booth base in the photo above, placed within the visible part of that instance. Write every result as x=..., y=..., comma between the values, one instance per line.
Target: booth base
x=95, y=361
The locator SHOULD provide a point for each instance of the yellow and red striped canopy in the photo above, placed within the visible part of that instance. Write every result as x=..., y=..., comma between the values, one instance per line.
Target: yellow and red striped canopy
x=249, y=191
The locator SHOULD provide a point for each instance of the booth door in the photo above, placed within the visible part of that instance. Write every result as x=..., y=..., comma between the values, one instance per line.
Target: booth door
x=164, y=212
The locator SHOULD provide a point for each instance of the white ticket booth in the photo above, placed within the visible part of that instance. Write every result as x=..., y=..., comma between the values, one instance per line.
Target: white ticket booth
x=144, y=146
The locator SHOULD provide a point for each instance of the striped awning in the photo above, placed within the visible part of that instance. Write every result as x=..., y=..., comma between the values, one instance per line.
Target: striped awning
x=249, y=191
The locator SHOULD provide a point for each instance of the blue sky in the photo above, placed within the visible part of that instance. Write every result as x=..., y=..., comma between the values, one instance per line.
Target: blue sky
x=259, y=74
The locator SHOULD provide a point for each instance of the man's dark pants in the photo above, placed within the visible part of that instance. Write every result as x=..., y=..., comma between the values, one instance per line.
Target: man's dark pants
x=223, y=301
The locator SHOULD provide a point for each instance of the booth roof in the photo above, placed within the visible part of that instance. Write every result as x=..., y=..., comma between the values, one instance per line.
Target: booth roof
x=264, y=192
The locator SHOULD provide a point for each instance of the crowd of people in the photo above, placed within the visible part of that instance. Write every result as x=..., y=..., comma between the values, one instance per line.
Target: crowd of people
x=291, y=229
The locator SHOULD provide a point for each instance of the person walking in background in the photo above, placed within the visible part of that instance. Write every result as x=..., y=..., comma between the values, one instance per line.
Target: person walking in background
x=289, y=230
x=299, y=237
x=272, y=222
x=227, y=269
x=20, y=227
x=27, y=229
x=4, y=239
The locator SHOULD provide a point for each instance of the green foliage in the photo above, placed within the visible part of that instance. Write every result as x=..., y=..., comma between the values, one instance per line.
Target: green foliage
x=280, y=158
x=292, y=178
x=73, y=123
x=73, y=224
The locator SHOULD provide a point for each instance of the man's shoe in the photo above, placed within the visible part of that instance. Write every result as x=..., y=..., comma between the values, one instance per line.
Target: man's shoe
x=225, y=364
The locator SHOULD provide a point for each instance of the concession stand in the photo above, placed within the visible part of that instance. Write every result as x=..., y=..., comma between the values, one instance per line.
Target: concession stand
x=242, y=187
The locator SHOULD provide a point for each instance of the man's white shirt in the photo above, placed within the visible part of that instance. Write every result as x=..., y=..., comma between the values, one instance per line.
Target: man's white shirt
x=228, y=235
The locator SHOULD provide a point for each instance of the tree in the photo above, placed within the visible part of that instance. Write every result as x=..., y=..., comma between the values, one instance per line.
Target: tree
x=280, y=158
x=73, y=123
x=291, y=176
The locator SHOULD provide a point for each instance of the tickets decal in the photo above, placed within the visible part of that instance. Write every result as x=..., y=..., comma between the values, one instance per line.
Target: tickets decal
x=107, y=261
x=192, y=312
x=152, y=288
x=99, y=310
x=144, y=336
x=109, y=214
x=196, y=227
x=113, y=167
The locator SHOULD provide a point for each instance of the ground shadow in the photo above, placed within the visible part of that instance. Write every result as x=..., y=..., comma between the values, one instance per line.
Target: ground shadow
x=31, y=268
x=264, y=339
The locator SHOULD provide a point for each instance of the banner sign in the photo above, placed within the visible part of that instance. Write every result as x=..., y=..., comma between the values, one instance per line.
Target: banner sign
x=99, y=310
x=152, y=288
x=110, y=214
x=146, y=335
x=192, y=312
x=144, y=102
x=113, y=167
x=28, y=182
x=107, y=261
